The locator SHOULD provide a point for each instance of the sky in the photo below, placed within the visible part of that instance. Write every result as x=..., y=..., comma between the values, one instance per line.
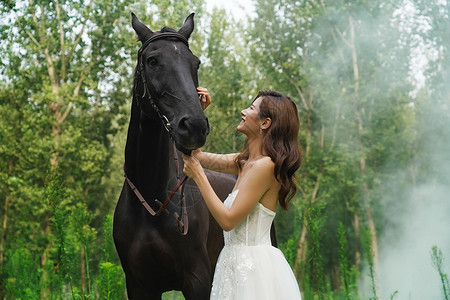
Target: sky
x=239, y=8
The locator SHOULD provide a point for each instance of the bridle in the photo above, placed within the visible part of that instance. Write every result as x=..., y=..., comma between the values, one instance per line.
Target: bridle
x=140, y=71
x=183, y=223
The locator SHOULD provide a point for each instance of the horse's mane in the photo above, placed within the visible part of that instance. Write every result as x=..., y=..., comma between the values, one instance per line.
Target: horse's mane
x=136, y=81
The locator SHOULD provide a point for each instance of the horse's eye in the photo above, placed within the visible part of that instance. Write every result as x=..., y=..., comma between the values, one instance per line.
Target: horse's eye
x=152, y=61
x=197, y=65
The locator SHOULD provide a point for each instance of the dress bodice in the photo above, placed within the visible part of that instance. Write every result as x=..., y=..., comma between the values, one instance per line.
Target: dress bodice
x=249, y=267
x=254, y=229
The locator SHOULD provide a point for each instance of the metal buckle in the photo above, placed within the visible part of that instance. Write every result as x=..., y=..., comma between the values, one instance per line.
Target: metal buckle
x=166, y=123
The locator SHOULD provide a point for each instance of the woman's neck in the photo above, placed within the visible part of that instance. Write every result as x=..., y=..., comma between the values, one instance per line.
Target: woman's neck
x=255, y=148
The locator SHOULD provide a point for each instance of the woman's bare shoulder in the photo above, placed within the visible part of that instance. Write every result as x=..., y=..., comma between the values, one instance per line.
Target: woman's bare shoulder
x=264, y=164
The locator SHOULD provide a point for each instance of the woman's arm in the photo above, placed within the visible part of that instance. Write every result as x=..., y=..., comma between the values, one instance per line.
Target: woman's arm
x=217, y=162
x=257, y=182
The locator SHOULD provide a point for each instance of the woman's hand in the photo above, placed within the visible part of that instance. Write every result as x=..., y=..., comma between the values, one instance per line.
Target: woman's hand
x=205, y=98
x=196, y=152
x=192, y=167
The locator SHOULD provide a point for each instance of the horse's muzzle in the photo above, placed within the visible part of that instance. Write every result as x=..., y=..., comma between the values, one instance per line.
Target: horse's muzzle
x=190, y=133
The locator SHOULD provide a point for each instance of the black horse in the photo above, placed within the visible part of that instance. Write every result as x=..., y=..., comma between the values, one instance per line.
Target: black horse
x=165, y=237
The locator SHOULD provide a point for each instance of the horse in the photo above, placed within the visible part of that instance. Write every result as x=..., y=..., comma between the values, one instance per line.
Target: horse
x=172, y=245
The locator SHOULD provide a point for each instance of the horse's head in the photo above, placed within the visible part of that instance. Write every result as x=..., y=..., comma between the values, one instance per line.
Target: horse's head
x=166, y=80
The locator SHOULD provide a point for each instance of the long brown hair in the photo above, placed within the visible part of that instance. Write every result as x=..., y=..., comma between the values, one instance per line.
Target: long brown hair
x=279, y=141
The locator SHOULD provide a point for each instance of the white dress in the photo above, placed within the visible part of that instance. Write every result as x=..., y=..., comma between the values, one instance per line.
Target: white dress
x=249, y=267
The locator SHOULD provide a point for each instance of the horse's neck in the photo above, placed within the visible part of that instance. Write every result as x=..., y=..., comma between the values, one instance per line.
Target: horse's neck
x=147, y=154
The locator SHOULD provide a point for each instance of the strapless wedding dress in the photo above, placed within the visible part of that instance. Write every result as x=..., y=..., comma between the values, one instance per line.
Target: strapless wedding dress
x=249, y=267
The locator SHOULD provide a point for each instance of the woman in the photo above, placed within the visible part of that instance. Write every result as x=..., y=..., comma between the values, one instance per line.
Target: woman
x=248, y=266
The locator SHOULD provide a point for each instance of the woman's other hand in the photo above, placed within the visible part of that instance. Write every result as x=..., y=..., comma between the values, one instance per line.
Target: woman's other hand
x=196, y=152
x=192, y=167
x=205, y=98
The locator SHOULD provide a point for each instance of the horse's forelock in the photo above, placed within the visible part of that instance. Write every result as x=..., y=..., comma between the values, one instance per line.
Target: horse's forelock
x=167, y=29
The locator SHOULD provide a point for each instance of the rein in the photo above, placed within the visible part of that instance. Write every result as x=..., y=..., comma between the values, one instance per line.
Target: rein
x=183, y=223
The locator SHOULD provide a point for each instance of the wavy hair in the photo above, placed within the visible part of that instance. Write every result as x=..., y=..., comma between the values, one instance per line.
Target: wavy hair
x=279, y=141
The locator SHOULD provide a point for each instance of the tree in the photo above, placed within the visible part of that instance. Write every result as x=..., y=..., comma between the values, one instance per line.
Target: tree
x=226, y=73
x=67, y=67
x=280, y=39
x=367, y=59
x=342, y=62
x=61, y=63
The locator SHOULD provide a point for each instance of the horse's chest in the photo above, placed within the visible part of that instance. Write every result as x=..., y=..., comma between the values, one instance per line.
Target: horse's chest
x=144, y=245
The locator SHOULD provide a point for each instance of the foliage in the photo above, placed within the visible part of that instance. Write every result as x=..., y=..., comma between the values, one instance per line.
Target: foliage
x=344, y=268
x=372, y=132
x=111, y=282
x=225, y=73
x=367, y=243
x=22, y=276
x=316, y=221
x=437, y=260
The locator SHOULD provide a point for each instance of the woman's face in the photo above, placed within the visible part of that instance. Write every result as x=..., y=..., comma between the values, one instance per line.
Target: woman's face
x=250, y=120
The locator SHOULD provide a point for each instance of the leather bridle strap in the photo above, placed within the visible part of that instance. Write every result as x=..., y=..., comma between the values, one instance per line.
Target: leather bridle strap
x=183, y=224
x=163, y=206
x=163, y=35
x=139, y=195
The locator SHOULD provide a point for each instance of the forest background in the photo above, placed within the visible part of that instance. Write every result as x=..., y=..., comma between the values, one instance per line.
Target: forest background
x=370, y=79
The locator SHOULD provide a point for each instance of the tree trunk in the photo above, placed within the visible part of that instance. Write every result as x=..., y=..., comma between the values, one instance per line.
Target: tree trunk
x=303, y=243
x=356, y=247
x=45, y=292
x=4, y=229
x=362, y=160
x=5, y=222
x=56, y=133
x=83, y=271
x=335, y=32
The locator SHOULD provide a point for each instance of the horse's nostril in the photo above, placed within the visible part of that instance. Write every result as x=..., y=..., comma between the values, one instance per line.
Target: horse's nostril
x=182, y=123
x=193, y=126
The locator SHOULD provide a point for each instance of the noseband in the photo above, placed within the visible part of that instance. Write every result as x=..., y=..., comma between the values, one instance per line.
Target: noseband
x=140, y=71
x=182, y=222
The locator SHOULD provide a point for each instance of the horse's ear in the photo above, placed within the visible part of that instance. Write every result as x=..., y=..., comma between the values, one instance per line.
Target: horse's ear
x=188, y=26
x=143, y=32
